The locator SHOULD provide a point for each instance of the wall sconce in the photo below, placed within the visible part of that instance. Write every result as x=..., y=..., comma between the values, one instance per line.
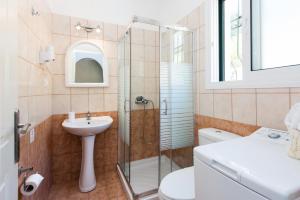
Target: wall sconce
x=88, y=29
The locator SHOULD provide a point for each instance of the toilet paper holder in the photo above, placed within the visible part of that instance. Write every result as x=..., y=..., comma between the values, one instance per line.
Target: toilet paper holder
x=22, y=170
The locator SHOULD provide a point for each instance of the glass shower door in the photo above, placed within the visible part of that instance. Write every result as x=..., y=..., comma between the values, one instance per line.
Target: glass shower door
x=124, y=105
x=176, y=100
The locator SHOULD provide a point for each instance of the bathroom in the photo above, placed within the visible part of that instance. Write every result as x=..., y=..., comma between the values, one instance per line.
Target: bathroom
x=139, y=99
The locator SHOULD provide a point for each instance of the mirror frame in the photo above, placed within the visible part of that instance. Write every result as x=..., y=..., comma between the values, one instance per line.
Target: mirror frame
x=70, y=64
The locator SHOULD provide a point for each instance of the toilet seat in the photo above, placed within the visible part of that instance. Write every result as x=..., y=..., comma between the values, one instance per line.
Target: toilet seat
x=178, y=185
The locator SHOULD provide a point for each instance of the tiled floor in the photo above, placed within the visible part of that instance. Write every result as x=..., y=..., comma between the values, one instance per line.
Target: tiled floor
x=108, y=188
x=144, y=173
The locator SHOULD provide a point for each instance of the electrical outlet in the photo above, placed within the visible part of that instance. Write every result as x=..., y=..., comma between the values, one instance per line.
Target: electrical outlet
x=32, y=135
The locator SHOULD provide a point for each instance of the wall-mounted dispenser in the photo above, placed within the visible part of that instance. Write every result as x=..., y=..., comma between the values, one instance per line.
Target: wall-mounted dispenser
x=47, y=55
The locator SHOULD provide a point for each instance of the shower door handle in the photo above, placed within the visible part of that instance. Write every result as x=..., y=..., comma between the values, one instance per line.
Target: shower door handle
x=125, y=105
x=165, y=112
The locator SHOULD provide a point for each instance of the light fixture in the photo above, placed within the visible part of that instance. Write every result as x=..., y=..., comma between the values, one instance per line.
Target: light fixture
x=98, y=29
x=78, y=26
x=88, y=29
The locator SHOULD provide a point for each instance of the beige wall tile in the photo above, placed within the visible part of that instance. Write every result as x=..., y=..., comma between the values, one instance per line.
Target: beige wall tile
x=23, y=74
x=61, y=24
x=222, y=91
x=295, y=90
x=138, y=52
x=150, y=38
x=58, y=86
x=150, y=70
x=22, y=40
x=222, y=106
x=96, y=102
x=137, y=36
x=273, y=90
x=60, y=43
x=295, y=98
x=39, y=109
x=79, y=103
x=113, y=86
x=110, y=102
x=96, y=90
x=201, y=83
x=110, y=32
x=61, y=104
x=137, y=85
x=150, y=85
x=271, y=110
x=137, y=68
x=58, y=66
x=206, y=104
x=113, y=67
x=110, y=49
x=121, y=31
x=243, y=91
x=244, y=108
x=149, y=54
x=79, y=90
x=193, y=19
x=23, y=107
x=38, y=81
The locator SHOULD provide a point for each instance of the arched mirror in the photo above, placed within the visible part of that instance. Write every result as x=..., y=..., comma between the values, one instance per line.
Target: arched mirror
x=86, y=65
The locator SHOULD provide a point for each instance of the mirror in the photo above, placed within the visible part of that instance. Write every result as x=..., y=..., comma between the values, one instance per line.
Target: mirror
x=275, y=33
x=86, y=65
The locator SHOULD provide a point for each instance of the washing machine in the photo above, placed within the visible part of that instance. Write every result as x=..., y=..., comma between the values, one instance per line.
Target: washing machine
x=256, y=167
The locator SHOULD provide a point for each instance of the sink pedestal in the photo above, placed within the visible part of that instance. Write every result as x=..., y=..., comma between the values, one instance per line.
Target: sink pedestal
x=87, y=180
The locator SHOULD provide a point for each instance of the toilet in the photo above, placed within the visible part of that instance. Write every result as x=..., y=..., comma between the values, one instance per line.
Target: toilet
x=179, y=185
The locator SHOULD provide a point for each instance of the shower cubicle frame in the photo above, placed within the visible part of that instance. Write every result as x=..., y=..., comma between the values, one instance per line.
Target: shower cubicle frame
x=137, y=19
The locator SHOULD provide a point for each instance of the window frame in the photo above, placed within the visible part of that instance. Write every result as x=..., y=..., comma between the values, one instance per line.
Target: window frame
x=270, y=78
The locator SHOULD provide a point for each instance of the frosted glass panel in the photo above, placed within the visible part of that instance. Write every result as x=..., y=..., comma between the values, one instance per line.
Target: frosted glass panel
x=176, y=113
x=275, y=33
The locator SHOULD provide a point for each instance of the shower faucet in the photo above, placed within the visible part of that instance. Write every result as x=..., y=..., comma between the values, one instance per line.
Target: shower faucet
x=141, y=100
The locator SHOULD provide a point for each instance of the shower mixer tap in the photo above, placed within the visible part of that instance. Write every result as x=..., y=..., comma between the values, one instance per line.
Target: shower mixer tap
x=141, y=100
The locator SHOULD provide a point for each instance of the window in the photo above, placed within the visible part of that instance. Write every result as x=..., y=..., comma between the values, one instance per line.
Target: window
x=178, y=50
x=230, y=40
x=245, y=36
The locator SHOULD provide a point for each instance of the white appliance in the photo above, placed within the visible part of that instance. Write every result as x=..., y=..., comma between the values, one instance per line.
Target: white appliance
x=179, y=185
x=256, y=167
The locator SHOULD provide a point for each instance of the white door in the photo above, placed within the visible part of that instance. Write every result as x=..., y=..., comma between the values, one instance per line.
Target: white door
x=8, y=98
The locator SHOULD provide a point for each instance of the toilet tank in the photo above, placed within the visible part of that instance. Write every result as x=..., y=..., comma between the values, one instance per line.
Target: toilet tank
x=212, y=135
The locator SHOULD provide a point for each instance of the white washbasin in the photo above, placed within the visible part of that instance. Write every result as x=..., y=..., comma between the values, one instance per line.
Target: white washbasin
x=84, y=127
x=87, y=129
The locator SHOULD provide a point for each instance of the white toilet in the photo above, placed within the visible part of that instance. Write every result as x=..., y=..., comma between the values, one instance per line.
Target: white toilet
x=179, y=185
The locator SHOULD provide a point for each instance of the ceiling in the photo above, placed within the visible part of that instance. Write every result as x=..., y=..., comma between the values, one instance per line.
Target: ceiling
x=121, y=11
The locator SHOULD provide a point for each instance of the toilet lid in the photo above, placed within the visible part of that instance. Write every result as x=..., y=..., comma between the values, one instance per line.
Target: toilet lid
x=178, y=185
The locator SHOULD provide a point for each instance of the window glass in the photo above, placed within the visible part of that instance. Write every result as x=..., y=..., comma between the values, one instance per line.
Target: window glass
x=275, y=33
x=178, y=51
x=230, y=40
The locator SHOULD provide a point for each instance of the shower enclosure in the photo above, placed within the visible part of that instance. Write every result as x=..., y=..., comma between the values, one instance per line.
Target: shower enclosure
x=155, y=104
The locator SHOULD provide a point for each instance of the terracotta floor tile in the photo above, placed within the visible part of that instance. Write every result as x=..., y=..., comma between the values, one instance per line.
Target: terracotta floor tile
x=108, y=188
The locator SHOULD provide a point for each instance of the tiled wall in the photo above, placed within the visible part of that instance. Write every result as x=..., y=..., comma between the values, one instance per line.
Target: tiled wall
x=145, y=66
x=83, y=99
x=34, y=91
x=34, y=85
x=258, y=107
x=38, y=156
x=66, y=150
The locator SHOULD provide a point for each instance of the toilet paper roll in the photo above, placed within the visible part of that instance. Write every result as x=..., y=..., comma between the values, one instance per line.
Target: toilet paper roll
x=31, y=184
x=71, y=116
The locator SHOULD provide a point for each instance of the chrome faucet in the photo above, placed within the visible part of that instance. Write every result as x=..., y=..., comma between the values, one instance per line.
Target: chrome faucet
x=88, y=116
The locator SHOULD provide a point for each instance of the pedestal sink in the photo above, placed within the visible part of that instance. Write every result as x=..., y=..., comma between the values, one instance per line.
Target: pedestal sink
x=87, y=129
